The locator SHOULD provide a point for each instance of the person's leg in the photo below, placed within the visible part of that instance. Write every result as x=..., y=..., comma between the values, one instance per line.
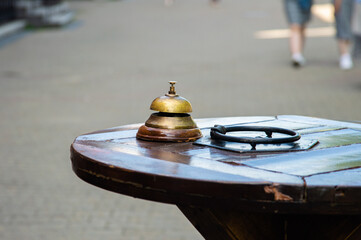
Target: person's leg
x=345, y=61
x=357, y=47
x=297, y=19
x=344, y=46
x=344, y=34
x=297, y=39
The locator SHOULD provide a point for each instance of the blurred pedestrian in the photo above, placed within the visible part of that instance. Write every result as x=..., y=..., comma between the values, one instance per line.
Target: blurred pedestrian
x=298, y=14
x=356, y=29
x=343, y=16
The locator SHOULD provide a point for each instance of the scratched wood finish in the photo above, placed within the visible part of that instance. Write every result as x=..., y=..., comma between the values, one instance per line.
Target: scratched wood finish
x=324, y=181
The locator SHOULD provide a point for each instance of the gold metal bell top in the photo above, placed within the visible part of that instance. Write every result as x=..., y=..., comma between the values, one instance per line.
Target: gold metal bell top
x=171, y=102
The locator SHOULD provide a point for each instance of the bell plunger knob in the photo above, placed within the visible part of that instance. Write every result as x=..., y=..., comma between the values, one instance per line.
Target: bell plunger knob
x=172, y=88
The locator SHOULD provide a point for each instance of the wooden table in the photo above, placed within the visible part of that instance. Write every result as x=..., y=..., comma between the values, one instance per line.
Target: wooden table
x=312, y=194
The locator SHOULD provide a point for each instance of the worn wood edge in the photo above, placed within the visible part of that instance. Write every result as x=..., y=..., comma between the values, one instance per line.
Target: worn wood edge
x=82, y=163
x=138, y=190
x=158, y=195
x=228, y=177
x=166, y=197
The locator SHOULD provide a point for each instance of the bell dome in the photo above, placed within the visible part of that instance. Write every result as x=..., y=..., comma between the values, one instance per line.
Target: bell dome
x=171, y=102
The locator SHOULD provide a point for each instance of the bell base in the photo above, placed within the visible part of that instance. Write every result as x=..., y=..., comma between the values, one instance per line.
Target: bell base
x=168, y=135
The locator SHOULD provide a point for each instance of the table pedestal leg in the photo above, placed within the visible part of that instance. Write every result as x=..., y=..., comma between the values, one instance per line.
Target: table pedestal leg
x=221, y=224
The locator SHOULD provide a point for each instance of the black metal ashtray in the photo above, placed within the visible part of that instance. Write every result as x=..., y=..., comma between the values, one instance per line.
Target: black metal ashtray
x=219, y=132
x=217, y=137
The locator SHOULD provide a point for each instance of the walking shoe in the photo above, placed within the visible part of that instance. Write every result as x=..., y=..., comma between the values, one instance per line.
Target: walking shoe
x=298, y=60
x=346, y=62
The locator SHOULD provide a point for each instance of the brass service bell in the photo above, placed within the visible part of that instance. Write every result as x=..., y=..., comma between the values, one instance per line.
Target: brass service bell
x=171, y=123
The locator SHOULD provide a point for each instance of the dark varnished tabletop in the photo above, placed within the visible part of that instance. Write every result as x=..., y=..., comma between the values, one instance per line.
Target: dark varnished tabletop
x=323, y=180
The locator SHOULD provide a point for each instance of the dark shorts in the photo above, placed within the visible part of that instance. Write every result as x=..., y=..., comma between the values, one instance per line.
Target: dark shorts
x=294, y=13
x=343, y=20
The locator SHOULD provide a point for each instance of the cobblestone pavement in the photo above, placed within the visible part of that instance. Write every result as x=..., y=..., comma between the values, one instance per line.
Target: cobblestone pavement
x=106, y=68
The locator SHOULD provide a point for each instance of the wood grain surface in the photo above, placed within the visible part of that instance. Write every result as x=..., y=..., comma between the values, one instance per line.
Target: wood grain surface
x=325, y=179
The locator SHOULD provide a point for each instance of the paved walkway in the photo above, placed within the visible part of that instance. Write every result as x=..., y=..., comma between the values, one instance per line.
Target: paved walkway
x=106, y=68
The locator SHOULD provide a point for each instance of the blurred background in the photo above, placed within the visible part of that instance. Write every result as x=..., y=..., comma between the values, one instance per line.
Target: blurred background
x=67, y=68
